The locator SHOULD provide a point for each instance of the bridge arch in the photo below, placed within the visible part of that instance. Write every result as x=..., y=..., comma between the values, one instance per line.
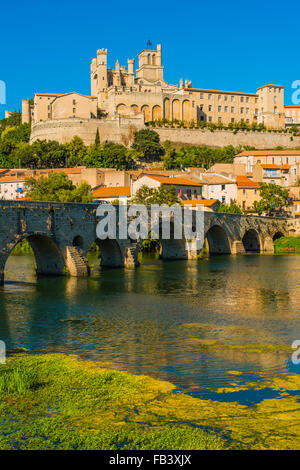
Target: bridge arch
x=78, y=241
x=49, y=258
x=218, y=240
x=277, y=235
x=173, y=249
x=251, y=241
x=110, y=253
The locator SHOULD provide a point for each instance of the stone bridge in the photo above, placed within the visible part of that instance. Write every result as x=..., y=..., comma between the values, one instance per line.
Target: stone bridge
x=61, y=235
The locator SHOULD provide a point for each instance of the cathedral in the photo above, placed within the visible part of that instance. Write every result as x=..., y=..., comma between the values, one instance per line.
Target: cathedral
x=128, y=91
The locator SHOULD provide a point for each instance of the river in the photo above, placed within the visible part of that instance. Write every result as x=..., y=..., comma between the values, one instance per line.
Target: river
x=146, y=320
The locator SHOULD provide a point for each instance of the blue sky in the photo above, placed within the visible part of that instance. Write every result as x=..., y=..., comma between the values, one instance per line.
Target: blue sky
x=233, y=45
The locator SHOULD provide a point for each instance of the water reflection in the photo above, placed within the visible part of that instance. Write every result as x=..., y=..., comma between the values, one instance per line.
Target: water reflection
x=135, y=318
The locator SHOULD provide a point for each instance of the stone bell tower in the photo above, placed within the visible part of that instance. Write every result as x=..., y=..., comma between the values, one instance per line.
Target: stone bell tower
x=150, y=67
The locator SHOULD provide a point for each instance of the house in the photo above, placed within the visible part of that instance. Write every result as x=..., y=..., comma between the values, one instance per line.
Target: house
x=186, y=188
x=247, y=192
x=12, y=187
x=274, y=174
x=209, y=205
x=228, y=169
x=269, y=157
x=217, y=186
x=110, y=194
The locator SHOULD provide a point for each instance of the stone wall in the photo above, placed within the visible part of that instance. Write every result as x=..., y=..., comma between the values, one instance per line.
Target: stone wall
x=118, y=130
x=121, y=129
x=221, y=138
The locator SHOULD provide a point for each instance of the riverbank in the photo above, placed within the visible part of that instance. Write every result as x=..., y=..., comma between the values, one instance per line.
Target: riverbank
x=55, y=401
x=287, y=245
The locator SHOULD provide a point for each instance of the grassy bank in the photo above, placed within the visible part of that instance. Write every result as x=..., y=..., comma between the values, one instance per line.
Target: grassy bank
x=58, y=402
x=287, y=245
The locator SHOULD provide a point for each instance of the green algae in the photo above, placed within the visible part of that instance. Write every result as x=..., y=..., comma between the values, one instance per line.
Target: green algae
x=227, y=332
x=59, y=402
x=246, y=347
x=67, y=403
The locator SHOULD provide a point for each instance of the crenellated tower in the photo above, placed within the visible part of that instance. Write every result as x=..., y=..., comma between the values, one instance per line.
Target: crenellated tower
x=99, y=80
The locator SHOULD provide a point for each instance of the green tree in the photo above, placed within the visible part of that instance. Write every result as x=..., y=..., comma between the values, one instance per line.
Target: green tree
x=7, y=154
x=147, y=143
x=57, y=187
x=231, y=208
x=273, y=197
x=76, y=152
x=14, y=120
x=17, y=134
x=109, y=155
x=162, y=195
x=97, y=138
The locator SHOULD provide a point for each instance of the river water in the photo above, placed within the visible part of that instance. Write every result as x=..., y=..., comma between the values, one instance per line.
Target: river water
x=145, y=320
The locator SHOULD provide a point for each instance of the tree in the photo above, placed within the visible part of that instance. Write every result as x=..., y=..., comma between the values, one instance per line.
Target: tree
x=109, y=155
x=231, y=208
x=273, y=197
x=17, y=134
x=146, y=142
x=57, y=187
x=97, y=138
x=162, y=195
x=76, y=151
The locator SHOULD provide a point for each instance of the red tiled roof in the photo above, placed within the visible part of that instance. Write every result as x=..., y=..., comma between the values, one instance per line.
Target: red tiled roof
x=115, y=191
x=261, y=153
x=244, y=182
x=200, y=202
x=174, y=181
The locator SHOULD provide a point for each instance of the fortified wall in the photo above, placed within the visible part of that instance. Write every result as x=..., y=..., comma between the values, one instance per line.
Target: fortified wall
x=120, y=129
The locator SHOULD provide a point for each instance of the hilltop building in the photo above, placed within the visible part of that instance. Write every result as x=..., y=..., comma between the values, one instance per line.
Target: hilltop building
x=126, y=91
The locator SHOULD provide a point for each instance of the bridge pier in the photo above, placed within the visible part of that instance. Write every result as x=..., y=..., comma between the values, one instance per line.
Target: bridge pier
x=237, y=247
x=76, y=264
x=131, y=256
x=268, y=245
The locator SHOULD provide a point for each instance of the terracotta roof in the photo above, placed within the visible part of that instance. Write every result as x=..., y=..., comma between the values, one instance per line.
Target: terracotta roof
x=10, y=179
x=174, y=181
x=270, y=166
x=48, y=94
x=261, y=153
x=115, y=191
x=208, y=90
x=161, y=172
x=244, y=182
x=77, y=169
x=200, y=202
x=270, y=84
x=275, y=167
x=216, y=179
